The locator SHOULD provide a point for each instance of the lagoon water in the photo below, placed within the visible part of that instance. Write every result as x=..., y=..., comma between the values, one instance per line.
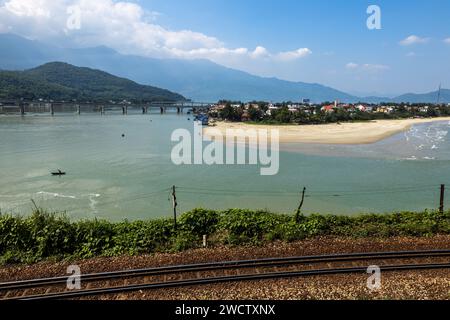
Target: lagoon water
x=116, y=178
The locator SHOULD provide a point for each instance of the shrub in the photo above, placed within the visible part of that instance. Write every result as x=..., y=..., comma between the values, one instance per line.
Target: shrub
x=14, y=234
x=93, y=238
x=200, y=222
x=44, y=235
x=52, y=235
x=184, y=241
x=245, y=226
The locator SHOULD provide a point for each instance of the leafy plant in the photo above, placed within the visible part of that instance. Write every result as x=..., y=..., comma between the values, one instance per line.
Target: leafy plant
x=45, y=235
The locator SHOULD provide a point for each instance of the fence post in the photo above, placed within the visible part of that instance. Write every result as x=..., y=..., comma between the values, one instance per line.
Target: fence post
x=299, y=210
x=441, y=203
x=175, y=204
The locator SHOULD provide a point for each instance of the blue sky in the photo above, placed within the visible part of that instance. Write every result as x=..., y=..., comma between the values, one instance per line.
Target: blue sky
x=336, y=33
x=320, y=41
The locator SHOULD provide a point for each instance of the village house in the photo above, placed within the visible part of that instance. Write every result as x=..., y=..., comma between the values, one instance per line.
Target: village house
x=385, y=109
x=424, y=109
x=310, y=109
x=251, y=105
x=361, y=108
x=217, y=107
x=369, y=109
x=245, y=116
x=271, y=108
x=328, y=109
x=294, y=107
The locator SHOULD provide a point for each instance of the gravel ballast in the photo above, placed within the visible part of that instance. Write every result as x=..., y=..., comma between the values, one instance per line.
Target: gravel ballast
x=395, y=285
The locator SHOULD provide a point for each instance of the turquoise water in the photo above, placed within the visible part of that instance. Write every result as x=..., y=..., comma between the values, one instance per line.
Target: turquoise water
x=116, y=178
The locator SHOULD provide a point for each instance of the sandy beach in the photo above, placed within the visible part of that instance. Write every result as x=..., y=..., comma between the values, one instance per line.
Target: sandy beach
x=344, y=133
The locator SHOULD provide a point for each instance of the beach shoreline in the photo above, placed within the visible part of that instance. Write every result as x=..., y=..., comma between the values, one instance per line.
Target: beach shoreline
x=344, y=133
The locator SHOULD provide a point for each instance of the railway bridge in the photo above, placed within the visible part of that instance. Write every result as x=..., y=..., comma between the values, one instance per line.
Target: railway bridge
x=24, y=107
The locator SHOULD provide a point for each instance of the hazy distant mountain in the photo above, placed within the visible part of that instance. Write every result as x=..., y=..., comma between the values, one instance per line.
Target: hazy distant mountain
x=425, y=97
x=200, y=80
x=62, y=81
x=431, y=97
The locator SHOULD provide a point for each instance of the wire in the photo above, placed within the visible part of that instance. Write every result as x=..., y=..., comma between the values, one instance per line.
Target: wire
x=138, y=197
x=319, y=194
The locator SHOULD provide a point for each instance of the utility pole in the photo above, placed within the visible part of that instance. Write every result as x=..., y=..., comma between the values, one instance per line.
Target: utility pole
x=299, y=210
x=439, y=93
x=175, y=204
x=441, y=204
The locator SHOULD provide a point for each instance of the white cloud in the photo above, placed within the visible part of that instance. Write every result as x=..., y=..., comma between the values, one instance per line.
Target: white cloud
x=28, y=8
x=447, y=41
x=293, y=55
x=260, y=52
x=413, y=39
x=367, y=67
x=375, y=67
x=126, y=27
x=411, y=54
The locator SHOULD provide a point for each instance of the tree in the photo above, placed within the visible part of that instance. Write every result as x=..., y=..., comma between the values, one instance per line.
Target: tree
x=254, y=114
x=230, y=113
x=282, y=115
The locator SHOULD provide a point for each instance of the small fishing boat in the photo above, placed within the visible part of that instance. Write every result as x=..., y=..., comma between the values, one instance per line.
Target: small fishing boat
x=58, y=173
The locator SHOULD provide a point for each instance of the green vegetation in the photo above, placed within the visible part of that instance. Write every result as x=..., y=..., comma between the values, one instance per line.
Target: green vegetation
x=315, y=114
x=64, y=82
x=43, y=235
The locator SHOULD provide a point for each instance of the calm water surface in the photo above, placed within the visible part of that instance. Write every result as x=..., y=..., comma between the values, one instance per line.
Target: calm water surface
x=129, y=178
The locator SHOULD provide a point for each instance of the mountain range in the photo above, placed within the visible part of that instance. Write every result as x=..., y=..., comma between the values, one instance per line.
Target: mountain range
x=199, y=80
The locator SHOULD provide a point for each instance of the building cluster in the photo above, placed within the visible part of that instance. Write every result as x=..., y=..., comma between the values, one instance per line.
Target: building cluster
x=311, y=108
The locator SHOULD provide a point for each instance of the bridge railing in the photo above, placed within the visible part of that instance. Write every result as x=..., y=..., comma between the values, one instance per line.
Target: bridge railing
x=74, y=107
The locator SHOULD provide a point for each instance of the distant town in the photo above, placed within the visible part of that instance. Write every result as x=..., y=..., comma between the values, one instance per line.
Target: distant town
x=306, y=112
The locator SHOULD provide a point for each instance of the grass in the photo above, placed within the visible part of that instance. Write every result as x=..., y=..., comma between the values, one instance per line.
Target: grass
x=43, y=235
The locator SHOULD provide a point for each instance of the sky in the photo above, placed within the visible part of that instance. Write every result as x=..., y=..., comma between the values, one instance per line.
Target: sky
x=317, y=41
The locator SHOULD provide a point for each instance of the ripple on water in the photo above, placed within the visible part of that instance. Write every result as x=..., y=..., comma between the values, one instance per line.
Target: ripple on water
x=48, y=195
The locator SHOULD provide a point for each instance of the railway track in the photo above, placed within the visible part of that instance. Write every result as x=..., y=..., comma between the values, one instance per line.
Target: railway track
x=107, y=283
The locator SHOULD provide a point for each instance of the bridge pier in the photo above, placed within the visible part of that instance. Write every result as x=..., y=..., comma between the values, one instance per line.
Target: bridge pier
x=54, y=106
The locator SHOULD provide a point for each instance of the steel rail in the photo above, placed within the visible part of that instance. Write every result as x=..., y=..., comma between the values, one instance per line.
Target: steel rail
x=223, y=279
x=239, y=264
